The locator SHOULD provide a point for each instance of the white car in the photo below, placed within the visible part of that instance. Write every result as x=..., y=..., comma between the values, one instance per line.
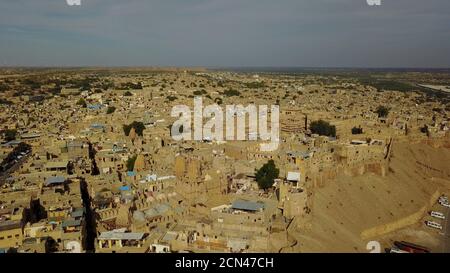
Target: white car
x=445, y=204
x=433, y=224
x=437, y=214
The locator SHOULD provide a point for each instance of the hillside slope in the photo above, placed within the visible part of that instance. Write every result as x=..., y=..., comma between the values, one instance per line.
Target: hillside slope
x=345, y=207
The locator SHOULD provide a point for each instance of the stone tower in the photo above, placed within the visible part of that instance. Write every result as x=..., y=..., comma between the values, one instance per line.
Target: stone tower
x=139, y=164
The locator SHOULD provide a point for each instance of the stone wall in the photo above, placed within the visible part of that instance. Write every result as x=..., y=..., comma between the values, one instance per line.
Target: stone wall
x=401, y=223
x=321, y=178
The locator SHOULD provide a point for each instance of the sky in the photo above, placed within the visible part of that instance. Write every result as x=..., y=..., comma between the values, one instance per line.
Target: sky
x=226, y=33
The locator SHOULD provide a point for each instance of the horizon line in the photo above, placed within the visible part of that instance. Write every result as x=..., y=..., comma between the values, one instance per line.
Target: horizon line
x=213, y=67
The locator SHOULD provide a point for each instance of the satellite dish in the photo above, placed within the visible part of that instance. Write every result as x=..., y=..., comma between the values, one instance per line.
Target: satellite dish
x=73, y=247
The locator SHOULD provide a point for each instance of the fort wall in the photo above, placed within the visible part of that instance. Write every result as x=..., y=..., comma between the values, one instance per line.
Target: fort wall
x=401, y=223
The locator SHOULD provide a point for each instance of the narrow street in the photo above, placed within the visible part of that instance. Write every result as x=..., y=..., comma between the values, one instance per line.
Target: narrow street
x=91, y=232
x=92, y=152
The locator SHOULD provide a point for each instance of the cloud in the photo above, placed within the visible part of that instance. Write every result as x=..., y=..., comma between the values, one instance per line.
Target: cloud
x=226, y=33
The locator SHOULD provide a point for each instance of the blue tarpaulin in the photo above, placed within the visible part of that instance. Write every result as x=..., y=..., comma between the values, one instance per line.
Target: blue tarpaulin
x=125, y=188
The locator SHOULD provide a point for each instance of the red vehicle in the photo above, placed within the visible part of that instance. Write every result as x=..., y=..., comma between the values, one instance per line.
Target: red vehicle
x=410, y=247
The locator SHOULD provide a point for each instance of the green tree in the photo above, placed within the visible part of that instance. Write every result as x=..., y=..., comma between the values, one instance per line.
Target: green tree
x=323, y=128
x=128, y=94
x=138, y=126
x=200, y=92
x=130, y=163
x=382, y=111
x=357, y=130
x=267, y=174
x=82, y=103
x=10, y=134
x=3, y=87
x=110, y=110
x=126, y=129
x=231, y=92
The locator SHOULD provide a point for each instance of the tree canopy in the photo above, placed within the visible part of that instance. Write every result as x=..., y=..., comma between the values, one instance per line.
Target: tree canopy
x=130, y=163
x=110, y=110
x=382, y=111
x=267, y=174
x=82, y=103
x=138, y=128
x=231, y=92
x=323, y=128
x=10, y=134
x=357, y=130
x=200, y=92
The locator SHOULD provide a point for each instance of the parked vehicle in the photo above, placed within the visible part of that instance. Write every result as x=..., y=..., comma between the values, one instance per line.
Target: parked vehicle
x=444, y=204
x=395, y=249
x=433, y=224
x=437, y=214
x=410, y=247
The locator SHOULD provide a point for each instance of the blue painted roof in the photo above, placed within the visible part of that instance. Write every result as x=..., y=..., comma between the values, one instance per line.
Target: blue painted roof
x=125, y=188
x=94, y=106
x=97, y=126
x=247, y=205
x=55, y=180
x=131, y=173
x=79, y=212
x=71, y=223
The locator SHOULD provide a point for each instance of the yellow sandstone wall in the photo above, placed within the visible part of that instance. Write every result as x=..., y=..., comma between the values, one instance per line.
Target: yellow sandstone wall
x=401, y=223
x=320, y=179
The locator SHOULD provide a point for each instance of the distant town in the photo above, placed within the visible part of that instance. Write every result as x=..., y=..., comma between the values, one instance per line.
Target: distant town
x=89, y=161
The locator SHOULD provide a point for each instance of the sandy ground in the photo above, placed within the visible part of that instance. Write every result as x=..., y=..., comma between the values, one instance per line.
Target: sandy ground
x=349, y=205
